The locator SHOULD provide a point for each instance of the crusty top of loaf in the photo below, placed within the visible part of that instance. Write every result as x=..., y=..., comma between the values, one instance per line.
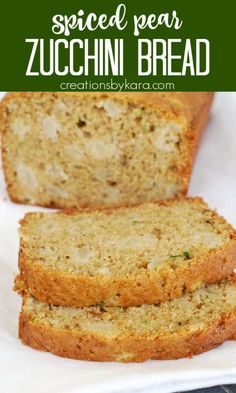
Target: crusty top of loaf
x=124, y=241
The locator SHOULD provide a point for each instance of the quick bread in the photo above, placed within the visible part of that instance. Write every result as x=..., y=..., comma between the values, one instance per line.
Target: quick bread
x=179, y=328
x=124, y=256
x=73, y=150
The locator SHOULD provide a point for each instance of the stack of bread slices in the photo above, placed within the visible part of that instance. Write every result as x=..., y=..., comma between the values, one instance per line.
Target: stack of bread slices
x=133, y=269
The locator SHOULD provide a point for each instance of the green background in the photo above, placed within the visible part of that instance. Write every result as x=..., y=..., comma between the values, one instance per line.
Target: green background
x=209, y=19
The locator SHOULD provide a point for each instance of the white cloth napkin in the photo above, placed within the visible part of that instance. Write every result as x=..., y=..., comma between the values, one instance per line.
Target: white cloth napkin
x=24, y=370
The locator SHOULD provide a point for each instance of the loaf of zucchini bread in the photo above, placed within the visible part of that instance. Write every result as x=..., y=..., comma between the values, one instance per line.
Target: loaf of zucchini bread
x=124, y=256
x=178, y=328
x=72, y=150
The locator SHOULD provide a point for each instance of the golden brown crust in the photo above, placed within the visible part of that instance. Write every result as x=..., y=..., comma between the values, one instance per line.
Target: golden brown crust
x=79, y=291
x=86, y=346
x=193, y=107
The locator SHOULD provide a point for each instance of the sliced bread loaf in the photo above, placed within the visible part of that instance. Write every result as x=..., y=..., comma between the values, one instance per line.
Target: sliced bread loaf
x=127, y=256
x=72, y=150
x=179, y=328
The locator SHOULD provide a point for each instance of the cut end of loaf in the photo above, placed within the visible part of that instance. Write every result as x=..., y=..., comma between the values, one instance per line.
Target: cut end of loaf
x=91, y=150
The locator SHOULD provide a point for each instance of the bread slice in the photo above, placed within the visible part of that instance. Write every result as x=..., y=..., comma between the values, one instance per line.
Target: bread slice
x=127, y=256
x=179, y=328
x=72, y=150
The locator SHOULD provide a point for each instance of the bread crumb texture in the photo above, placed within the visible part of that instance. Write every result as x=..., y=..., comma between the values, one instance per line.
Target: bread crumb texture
x=123, y=241
x=149, y=249
x=178, y=328
x=87, y=150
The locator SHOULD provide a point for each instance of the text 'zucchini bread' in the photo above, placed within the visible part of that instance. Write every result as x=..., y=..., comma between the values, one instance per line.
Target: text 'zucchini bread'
x=124, y=256
x=178, y=328
x=72, y=150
